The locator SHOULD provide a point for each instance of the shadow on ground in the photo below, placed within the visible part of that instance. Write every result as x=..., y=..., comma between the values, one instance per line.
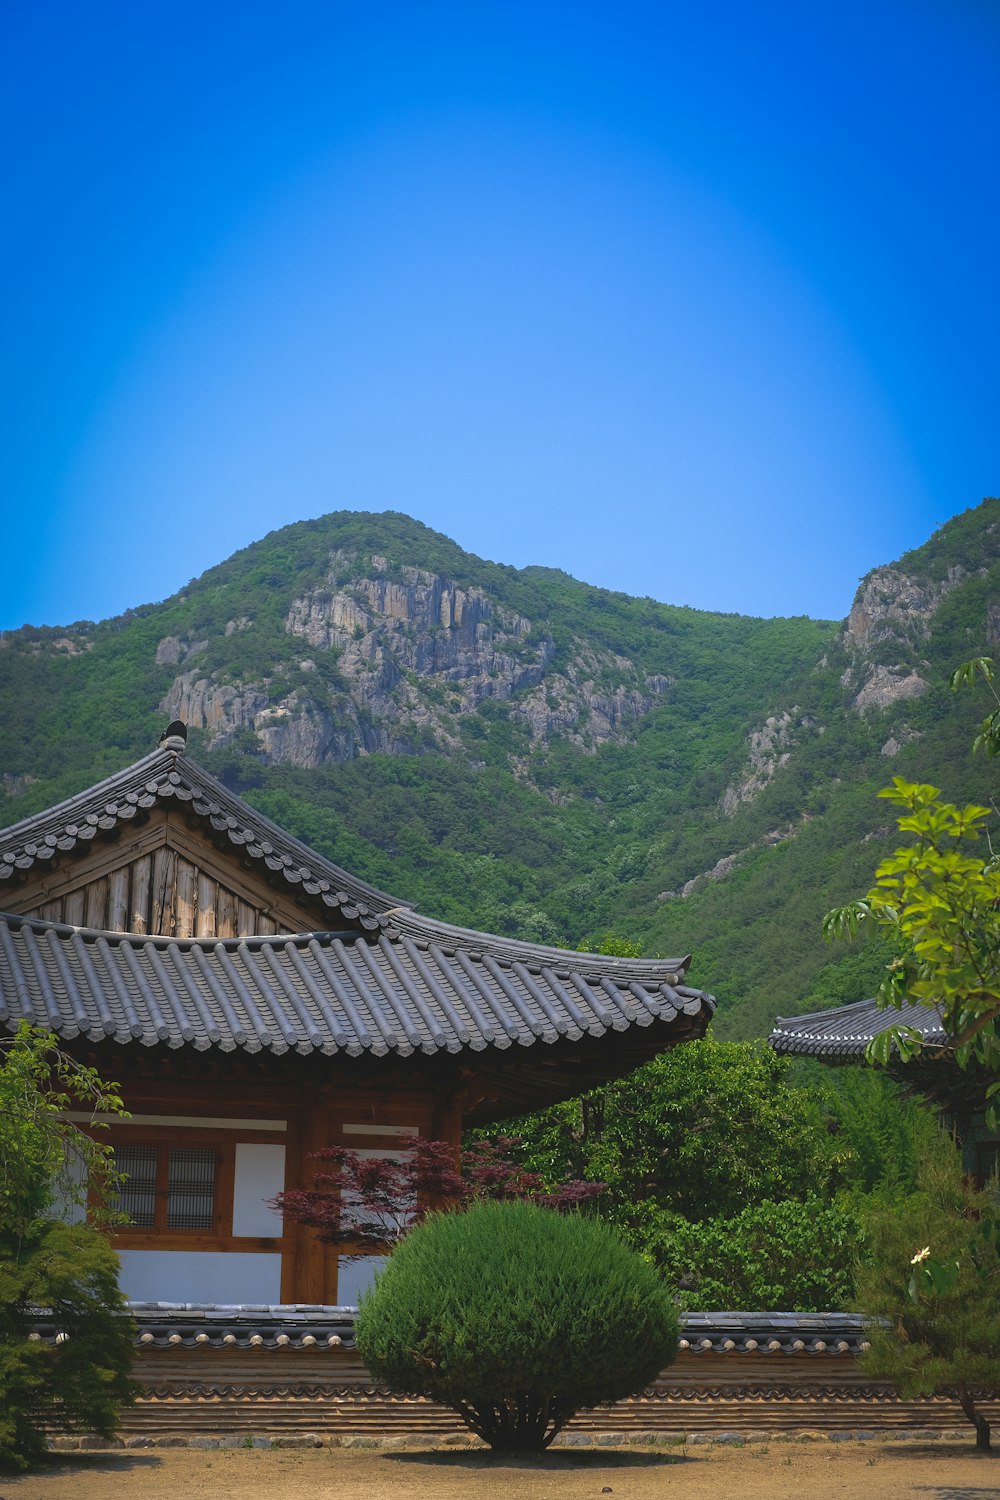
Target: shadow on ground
x=551, y=1462
x=957, y=1492
x=942, y=1450
x=88, y=1463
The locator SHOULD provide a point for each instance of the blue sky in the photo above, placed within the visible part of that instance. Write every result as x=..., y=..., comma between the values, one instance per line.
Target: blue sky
x=695, y=302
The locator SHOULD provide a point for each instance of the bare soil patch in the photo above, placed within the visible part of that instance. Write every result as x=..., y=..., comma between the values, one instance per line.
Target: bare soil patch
x=778, y=1470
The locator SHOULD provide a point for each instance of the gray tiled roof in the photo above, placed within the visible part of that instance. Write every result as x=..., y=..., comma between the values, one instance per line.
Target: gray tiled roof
x=846, y=1031
x=432, y=988
x=172, y=1325
x=405, y=983
x=167, y=777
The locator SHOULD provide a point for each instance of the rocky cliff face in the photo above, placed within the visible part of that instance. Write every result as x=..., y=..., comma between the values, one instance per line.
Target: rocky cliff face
x=885, y=638
x=889, y=606
x=890, y=619
x=407, y=653
x=769, y=748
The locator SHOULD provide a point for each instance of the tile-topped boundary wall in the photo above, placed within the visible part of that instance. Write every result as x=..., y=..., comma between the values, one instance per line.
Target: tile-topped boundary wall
x=279, y=1371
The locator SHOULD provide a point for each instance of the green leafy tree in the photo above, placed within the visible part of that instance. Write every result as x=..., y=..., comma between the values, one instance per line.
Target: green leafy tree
x=516, y=1317
x=981, y=667
x=706, y=1129
x=932, y=1276
x=44, y=1156
x=794, y=1256
x=68, y=1270
x=700, y=1131
x=940, y=898
x=744, y=1187
x=880, y=1131
x=612, y=944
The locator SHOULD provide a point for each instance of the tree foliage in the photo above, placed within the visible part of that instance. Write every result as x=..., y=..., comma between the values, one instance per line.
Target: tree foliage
x=941, y=895
x=516, y=1318
x=798, y=1256
x=933, y=1279
x=80, y=1382
x=43, y=1154
x=69, y=1270
x=981, y=667
x=700, y=1131
x=740, y=1175
x=369, y=1202
x=706, y=1129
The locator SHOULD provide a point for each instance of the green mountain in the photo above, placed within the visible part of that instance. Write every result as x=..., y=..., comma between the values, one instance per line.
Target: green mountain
x=518, y=751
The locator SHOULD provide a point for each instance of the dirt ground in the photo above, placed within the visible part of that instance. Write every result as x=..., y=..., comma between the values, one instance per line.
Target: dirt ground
x=760, y=1471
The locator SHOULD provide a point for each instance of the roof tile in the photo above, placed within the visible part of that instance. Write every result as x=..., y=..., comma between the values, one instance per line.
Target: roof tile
x=313, y=991
x=847, y=1030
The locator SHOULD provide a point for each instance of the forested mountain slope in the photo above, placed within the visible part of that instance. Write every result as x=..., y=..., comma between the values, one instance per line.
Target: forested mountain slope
x=519, y=751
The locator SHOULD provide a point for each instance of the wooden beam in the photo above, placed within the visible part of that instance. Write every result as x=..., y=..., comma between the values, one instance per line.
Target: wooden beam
x=142, y=880
x=118, y=884
x=74, y=907
x=164, y=874
x=207, y=919
x=226, y=913
x=96, y=908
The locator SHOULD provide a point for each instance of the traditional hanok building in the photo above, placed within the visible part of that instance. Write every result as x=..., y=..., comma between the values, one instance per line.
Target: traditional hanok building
x=256, y=1002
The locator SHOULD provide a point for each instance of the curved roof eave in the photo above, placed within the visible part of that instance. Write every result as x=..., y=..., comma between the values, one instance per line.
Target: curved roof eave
x=321, y=991
x=846, y=1031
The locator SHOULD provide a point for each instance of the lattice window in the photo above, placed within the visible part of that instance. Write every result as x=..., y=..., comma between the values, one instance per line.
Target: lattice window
x=191, y=1187
x=168, y=1188
x=137, y=1194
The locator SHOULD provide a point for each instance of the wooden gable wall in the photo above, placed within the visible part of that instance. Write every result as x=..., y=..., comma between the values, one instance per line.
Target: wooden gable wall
x=165, y=878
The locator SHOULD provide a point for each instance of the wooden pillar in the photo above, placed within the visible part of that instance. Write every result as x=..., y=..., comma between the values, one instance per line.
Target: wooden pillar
x=226, y=914
x=142, y=874
x=164, y=877
x=96, y=912
x=446, y=1123
x=305, y=1262
x=74, y=907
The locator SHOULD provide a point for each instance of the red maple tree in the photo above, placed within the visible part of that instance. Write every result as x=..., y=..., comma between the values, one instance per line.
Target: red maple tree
x=368, y=1202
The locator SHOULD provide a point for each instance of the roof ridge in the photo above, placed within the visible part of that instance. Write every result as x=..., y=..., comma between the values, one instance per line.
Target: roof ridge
x=416, y=925
x=35, y=819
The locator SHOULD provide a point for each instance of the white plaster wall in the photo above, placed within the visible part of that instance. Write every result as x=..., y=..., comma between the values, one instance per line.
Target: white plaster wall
x=260, y=1173
x=69, y=1201
x=223, y=1276
x=354, y=1277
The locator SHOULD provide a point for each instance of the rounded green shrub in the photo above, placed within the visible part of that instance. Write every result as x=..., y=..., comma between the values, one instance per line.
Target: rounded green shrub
x=516, y=1317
